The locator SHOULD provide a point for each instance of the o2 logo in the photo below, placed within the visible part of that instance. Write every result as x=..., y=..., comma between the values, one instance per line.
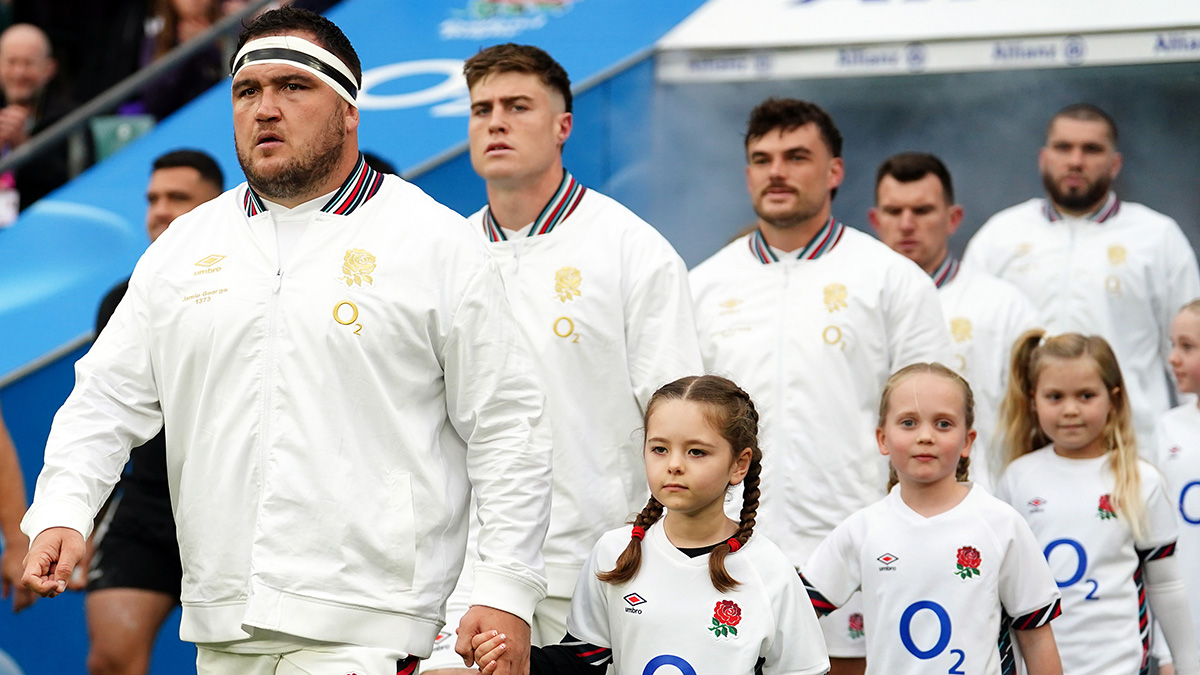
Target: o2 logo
x=943, y=641
x=452, y=89
x=1081, y=561
x=671, y=660
x=1188, y=517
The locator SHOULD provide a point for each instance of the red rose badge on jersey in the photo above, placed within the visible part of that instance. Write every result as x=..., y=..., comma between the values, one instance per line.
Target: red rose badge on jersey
x=968, y=562
x=726, y=616
x=856, y=626
x=1106, y=508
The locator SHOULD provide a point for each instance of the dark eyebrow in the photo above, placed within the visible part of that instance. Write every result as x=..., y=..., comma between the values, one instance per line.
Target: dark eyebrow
x=300, y=77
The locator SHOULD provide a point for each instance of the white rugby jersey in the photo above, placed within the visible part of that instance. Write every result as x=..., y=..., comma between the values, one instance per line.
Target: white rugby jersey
x=1179, y=459
x=670, y=620
x=604, y=304
x=937, y=592
x=1121, y=273
x=813, y=340
x=985, y=315
x=1092, y=553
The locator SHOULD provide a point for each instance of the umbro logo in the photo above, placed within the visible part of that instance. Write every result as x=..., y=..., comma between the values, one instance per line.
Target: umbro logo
x=1036, y=504
x=633, y=600
x=887, y=559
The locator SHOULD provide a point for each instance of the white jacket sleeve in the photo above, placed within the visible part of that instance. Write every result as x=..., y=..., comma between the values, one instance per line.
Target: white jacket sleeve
x=1168, y=601
x=660, y=328
x=113, y=408
x=917, y=328
x=495, y=402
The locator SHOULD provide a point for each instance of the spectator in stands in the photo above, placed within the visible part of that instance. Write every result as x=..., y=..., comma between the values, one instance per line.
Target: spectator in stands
x=1092, y=263
x=30, y=105
x=915, y=214
x=174, y=23
x=134, y=576
x=12, y=507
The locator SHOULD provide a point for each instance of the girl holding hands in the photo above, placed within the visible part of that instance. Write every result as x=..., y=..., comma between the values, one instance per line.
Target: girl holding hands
x=942, y=564
x=688, y=590
x=1100, y=514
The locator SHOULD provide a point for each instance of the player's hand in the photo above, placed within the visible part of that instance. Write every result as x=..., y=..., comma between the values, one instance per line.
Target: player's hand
x=52, y=559
x=11, y=569
x=488, y=646
x=79, y=577
x=515, y=658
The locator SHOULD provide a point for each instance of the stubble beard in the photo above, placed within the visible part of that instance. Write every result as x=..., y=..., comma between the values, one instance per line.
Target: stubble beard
x=802, y=213
x=304, y=175
x=1083, y=200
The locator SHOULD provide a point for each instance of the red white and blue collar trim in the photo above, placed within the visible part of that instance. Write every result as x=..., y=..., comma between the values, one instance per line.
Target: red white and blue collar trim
x=823, y=243
x=362, y=184
x=570, y=192
x=945, y=272
x=1107, y=210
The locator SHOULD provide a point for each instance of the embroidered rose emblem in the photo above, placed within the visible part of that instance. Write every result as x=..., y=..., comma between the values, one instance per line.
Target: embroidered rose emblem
x=566, y=283
x=357, y=266
x=856, y=625
x=1106, y=508
x=726, y=615
x=835, y=297
x=968, y=562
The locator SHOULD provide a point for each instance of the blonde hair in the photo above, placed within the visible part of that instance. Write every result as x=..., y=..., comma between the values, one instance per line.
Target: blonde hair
x=1194, y=306
x=1018, y=416
x=961, y=473
x=731, y=412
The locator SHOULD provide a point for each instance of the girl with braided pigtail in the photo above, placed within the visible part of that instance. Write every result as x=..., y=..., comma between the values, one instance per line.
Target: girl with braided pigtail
x=684, y=589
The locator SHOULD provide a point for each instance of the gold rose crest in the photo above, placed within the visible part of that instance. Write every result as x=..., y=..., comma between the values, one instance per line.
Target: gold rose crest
x=835, y=297
x=960, y=328
x=358, y=267
x=1116, y=254
x=566, y=283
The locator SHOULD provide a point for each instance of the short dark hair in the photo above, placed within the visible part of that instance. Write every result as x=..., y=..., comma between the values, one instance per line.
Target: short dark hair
x=202, y=162
x=288, y=19
x=514, y=58
x=907, y=167
x=787, y=114
x=1087, y=113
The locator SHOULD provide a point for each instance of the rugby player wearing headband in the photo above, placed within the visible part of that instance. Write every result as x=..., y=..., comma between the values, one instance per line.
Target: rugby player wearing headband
x=339, y=369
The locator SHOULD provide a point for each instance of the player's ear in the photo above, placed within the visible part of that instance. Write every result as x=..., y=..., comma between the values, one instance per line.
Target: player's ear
x=741, y=466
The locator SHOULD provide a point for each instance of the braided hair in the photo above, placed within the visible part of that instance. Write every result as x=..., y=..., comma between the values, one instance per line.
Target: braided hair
x=731, y=412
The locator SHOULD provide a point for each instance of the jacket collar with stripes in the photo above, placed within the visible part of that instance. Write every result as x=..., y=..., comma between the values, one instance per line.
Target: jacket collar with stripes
x=359, y=187
x=945, y=272
x=822, y=243
x=1107, y=210
x=561, y=205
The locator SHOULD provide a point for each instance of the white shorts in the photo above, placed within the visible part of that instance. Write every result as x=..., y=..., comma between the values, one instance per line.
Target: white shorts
x=326, y=659
x=843, y=630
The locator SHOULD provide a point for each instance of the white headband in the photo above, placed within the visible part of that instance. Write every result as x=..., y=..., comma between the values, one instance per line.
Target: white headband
x=298, y=52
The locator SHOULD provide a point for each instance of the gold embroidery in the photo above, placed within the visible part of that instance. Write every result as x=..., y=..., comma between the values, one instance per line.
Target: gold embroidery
x=1024, y=249
x=832, y=335
x=1116, y=254
x=960, y=328
x=358, y=266
x=570, y=326
x=730, y=303
x=566, y=283
x=1112, y=284
x=209, y=260
x=835, y=297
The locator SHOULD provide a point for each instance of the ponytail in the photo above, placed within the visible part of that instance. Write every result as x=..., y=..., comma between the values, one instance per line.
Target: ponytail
x=1018, y=420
